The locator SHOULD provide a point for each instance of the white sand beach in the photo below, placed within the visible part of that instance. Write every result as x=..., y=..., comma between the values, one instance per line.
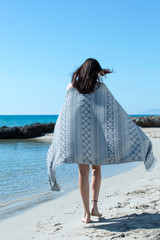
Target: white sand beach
x=129, y=202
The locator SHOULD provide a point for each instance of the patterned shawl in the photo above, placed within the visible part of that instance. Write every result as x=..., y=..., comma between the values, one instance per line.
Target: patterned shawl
x=94, y=129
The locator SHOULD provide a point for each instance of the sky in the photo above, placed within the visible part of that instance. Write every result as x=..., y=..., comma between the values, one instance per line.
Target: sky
x=43, y=42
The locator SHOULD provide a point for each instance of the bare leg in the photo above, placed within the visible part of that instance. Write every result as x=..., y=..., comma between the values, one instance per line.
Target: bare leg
x=95, y=183
x=84, y=189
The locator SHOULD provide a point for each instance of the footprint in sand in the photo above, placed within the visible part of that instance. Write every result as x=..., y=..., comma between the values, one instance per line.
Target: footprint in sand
x=43, y=225
x=122, y=205
x=58, y=227
x=142, y=206
x=137, y=192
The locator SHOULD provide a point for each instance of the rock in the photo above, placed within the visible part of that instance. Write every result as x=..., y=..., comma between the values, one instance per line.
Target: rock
x=122, y=235
x=28, y=131
x=147, y=121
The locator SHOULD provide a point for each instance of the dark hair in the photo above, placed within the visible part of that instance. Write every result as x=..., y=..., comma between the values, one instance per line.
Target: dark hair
x=87, y=75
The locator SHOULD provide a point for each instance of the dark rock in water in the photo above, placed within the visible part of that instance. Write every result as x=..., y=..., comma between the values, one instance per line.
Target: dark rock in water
x=147, y=121
x=28, y=131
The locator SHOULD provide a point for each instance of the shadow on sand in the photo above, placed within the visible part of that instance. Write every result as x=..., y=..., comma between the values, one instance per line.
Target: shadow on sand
x=128, y=222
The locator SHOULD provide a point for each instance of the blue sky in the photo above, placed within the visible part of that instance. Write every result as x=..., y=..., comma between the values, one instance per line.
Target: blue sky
x=43, y=42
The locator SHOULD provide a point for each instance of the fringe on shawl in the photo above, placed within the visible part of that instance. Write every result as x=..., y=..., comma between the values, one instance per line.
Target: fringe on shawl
x=53, y=182
x=150, y=164
x=150, y=160
x=51, y=171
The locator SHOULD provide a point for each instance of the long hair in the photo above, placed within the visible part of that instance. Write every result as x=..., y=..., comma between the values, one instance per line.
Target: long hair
x=87, y=75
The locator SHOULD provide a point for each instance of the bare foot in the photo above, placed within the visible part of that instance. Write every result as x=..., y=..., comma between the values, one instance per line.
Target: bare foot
x=95, y=212
x=86, y=218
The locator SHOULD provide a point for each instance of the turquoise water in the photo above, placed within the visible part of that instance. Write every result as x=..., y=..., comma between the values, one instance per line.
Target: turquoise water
x=23, y=171
x=23, y=175
x=22, y=120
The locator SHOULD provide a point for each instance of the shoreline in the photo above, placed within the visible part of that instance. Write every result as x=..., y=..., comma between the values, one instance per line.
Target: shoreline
x=44, y=137
x=129, y=202
x=18, y=207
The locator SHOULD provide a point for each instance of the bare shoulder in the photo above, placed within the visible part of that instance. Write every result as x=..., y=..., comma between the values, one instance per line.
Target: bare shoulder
x=69, y=86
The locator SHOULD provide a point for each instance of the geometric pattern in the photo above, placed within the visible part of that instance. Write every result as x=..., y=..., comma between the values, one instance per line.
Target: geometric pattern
x=95, y=129
x=86, y=129
x=110, y=127
x=135, y=142
x=63, y=131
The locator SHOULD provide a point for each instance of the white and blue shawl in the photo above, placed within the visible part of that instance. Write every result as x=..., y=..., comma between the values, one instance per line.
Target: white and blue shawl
x=95, y=129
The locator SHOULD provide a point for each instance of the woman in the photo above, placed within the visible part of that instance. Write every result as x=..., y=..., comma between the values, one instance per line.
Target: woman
x=93, y=129
x=84, y=80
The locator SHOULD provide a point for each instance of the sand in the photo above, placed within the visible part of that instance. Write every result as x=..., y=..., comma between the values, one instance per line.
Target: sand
x=152, y=132
x=47, y=137
x=129, y=202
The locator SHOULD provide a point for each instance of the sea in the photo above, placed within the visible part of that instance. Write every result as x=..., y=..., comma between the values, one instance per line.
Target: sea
x=23, y=169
